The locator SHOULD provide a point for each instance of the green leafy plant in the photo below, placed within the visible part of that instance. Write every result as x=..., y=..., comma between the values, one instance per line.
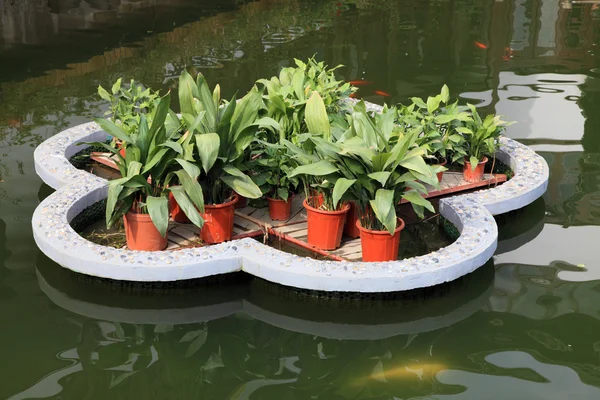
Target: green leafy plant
x=128, y=103
x=375, y=163
x=271, y=166
x=287, y=95
x=215, y=136
x=436, y=122
x=482, y=136
x=152, y=162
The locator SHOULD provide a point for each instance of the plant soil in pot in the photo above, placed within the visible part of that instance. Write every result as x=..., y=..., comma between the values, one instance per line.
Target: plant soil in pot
x=176, y=212
x=141, y=233
x=380, y=245
x=475, y=175
x=280, y=210
x=350, y=228
x=218, y=222
x=325, y=227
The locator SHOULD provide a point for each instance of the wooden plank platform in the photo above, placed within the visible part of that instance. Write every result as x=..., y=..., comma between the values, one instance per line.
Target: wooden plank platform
x=255, y=222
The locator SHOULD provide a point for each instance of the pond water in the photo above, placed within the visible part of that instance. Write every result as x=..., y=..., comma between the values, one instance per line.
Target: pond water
x=523, y=326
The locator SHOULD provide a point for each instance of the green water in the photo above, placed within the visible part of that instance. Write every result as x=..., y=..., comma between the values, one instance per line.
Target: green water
x=524, y=326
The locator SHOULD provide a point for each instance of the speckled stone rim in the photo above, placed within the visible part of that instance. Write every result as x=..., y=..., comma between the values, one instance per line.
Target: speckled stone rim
x=471, y=213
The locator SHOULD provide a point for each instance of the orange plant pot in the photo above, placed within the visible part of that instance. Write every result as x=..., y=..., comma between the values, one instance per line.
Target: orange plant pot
x=440, y=174
x=218, y=222
x=176, y=212
x=141, y=233
x=350, y=228
x=476, y=175
x=325, y=227
x=242, y=201
x=380, y=245
x=280, y=210
x=122, y=152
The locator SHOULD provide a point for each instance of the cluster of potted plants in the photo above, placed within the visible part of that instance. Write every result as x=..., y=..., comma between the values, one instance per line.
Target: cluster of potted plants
x=296, y=132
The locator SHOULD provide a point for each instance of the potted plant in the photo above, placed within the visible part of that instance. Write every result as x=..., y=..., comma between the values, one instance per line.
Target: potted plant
x=287, y=94
x=481, y=141
x=154, y=158
x=383, y=165
x=127, y=104
x=320, y=177
x=435, y=122
x=217, y=134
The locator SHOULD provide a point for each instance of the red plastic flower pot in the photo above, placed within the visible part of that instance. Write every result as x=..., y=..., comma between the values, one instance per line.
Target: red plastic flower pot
x=380, y=245
x=440, y=174
x=280, y=210
x=218, y=222
x=350, y=228
x=325, y=227
x=476, y=175
x=176, y=212
x=242, y=201
x=141, y=233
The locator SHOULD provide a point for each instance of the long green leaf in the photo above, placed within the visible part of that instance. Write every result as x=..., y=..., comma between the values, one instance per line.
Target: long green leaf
x=113, y=129
x=340, y=188
x=207, y=100
x=186, y=205
x=208, y=149
x=240, y=182
x=384, y=209
x=315, y=116
x=320, y=168
x=111, y=201
x=158, y=208
x=192, y=188
x=415, y=198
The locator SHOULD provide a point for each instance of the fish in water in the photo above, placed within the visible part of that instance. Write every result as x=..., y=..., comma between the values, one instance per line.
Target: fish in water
x=360, y=82
x=354, y=96
x=381, y=93
x=406, y=371
x=480, y=45
x=15, y=123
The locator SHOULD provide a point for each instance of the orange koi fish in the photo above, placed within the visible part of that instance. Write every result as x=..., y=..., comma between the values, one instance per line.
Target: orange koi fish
x=354, y=96
x=359, y=82
x=381, y=93
x=481, y=45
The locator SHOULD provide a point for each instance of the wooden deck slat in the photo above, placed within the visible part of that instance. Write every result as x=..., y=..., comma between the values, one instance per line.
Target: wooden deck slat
x=292, y=227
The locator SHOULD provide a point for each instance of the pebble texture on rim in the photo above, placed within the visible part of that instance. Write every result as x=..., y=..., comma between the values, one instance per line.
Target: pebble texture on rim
x=472, y=214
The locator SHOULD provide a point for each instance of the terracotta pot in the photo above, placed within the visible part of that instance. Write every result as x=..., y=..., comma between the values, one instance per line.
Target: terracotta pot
x=380, y=245
x=440, y=174
x=350, y=228
x=218, y=222
x=141, y=233
x=242, y=201
x=280, y=210
x=325, y=227
x=122, y=152
x=176, y=212
x=476, y=175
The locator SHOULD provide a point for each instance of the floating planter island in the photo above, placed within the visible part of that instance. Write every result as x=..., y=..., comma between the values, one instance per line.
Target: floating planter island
x=472, y=214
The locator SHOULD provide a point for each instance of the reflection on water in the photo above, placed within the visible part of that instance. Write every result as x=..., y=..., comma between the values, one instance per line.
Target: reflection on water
x=524, y=326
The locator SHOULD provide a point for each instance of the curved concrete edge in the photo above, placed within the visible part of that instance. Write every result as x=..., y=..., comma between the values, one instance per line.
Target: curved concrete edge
x=194, y=315
x=471, y=213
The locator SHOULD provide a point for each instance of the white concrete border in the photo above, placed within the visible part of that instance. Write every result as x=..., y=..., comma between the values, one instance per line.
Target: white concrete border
x=472, y=214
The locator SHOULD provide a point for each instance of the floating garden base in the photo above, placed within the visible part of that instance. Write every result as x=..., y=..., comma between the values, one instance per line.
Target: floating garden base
x=472, y=215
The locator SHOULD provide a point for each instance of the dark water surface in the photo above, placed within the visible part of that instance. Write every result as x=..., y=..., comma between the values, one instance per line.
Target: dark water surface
x=524, y=326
